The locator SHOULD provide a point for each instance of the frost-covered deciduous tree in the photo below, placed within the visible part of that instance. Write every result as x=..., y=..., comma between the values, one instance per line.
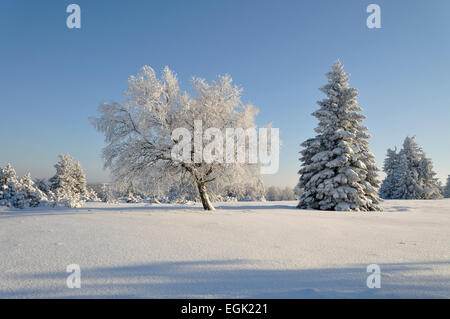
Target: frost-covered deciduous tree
x=410, y=174
x=249, y=192
x=447, y=188
x=108, y=195
x=273, y=193
x=132, y=195
x=139, y=131
x=287, y=194
x=69, y=182
x=338, y=169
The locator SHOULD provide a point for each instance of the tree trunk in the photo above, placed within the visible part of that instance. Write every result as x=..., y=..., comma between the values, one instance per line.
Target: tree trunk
x=204, y=196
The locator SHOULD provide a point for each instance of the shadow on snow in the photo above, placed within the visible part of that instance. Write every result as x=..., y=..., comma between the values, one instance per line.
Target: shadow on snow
x=236, y=279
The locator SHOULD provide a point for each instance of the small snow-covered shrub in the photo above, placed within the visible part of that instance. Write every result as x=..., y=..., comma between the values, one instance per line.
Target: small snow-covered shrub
x=68, y=199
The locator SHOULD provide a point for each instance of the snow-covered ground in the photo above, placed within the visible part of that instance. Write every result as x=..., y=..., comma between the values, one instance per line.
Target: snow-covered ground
x=242, y=250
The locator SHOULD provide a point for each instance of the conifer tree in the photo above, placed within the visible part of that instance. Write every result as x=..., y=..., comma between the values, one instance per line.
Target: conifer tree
x=338, y=169
x=9, y=192
x=69, y=182
x=447, y=188
x=33, y=196
x=80, y=179
x=19, y=193
x=419, y=177
x=389, y=184
x=410, y=175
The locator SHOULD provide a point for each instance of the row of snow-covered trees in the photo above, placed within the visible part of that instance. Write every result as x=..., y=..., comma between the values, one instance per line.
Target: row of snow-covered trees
x=410, y=174
x=274, y=193
x=130, y=193
x=338, y=169
x=140, y=191
x=66, y=188
x=19, y=192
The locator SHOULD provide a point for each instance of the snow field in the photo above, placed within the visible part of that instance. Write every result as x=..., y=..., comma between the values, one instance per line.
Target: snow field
x=242, y=250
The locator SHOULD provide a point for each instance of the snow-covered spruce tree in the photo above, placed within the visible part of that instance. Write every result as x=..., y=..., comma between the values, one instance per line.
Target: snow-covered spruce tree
x=80, y=180
x=33, y=196
x=19, y=193
x=139, y=131
x=42, y=185
x=9, y=188
x=64, y=177
x=447, y=188
x=338, y=169
x=298, y=192
x=414, y=176
x=390, y=167
x=432, y=187
x=92, y=195
x=67, y=183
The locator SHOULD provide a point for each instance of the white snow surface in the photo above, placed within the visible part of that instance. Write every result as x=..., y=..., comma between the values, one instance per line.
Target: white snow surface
x=241, y=250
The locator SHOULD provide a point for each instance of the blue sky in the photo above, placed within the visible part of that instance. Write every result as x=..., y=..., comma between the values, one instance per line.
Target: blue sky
x=52, y=78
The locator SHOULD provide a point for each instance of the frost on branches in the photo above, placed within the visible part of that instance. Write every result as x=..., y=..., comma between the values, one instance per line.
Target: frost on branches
x=132, y=195
x=139, y=138
x=275, y=193
x=409, y=174
x=69, y=183
x=338, y=169
x=17, y=193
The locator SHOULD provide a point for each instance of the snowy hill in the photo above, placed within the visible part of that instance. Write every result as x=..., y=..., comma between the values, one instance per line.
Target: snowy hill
x=245, y=250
